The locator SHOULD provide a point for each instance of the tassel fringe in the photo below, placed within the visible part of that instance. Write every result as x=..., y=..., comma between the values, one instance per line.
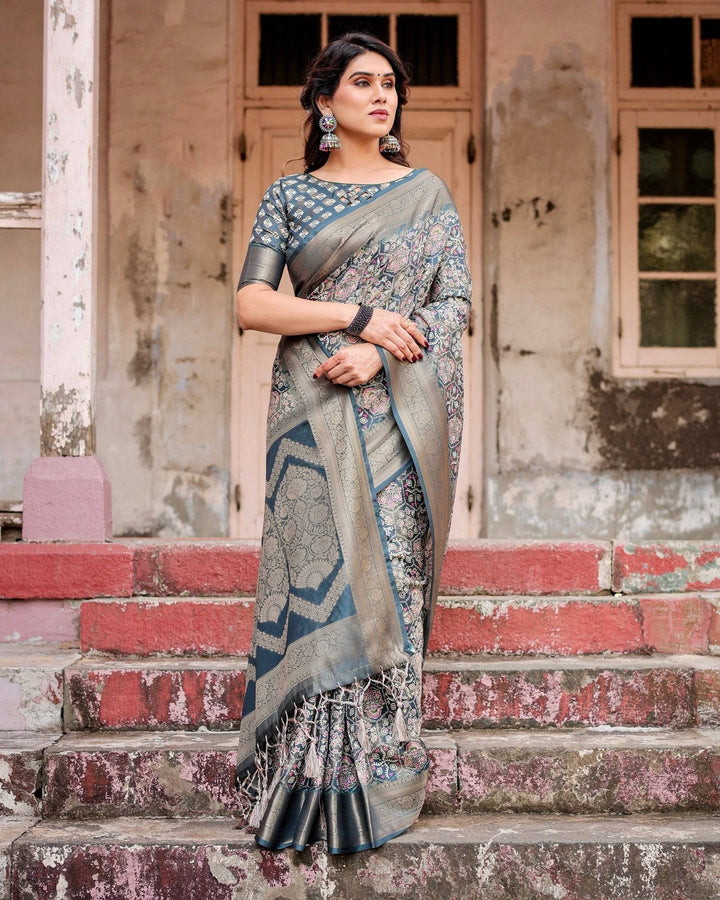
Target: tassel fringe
x=272, y=754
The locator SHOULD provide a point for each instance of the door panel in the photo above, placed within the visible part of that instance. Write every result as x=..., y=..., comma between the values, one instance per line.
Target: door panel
x=437, y=141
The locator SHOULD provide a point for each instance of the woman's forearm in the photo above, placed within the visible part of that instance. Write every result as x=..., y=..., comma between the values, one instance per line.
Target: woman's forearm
x=260, y=308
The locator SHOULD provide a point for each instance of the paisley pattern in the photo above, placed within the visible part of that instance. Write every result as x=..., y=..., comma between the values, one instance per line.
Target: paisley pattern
x=360, y=484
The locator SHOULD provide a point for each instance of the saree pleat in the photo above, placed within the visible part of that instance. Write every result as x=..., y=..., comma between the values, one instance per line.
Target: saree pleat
x=359, y=494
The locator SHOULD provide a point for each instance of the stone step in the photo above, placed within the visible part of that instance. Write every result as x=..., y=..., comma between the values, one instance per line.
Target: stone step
x=221, y=567
x=186, y=774
x=677, y=691
x=40, y=622
x=31, y=686
x=21, y=762
x=11, y=828
x=221, y=626
x=500, y=857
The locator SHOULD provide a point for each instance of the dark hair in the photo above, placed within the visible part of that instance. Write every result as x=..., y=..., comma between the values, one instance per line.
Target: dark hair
x=323, y=78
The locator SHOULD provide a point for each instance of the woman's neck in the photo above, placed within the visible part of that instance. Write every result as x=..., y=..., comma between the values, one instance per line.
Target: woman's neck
x=357, y=161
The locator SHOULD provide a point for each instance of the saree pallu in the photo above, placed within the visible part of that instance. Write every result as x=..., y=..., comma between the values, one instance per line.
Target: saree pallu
x=359, y=495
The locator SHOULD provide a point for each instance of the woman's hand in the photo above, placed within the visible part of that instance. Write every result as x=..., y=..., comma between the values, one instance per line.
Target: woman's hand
x=351, y=366
x=398, y=335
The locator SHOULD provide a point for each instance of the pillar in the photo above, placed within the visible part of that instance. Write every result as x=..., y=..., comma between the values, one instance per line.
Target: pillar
x=67, y=493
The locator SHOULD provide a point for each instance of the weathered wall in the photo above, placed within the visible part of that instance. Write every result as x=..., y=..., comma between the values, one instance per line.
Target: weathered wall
x=163, y=405
x=21, y=41
x=571, y=451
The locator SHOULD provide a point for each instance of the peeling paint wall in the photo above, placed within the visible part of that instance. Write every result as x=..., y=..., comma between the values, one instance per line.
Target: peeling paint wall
x=21, y=43
x=571, y=451
x=163, y=405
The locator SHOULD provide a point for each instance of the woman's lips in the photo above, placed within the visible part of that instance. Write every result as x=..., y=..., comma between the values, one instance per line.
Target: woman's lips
x=379, y=114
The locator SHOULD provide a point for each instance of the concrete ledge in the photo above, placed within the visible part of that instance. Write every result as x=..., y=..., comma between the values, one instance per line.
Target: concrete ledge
x=21, y=757
x=527, y=567
x=10, y=830
x=198, y=568
x=65, y=571
x=502, y=857
x=31, y=687
x=154, y=693
x=612, y=771
x=476, y=692
x=667, y=567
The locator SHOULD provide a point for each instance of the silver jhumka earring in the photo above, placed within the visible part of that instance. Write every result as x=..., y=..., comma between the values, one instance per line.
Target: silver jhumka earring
x=329, y=141
x=389, y=144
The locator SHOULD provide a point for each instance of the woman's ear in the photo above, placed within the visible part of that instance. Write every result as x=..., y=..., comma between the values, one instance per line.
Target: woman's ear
x=323, y=104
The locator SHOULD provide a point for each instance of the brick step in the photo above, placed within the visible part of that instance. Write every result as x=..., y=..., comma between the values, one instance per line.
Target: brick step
x=478, y=692
x=21, y=763
x=221, y=626
x=31, y=686
x=500, y=857
x=186, y=774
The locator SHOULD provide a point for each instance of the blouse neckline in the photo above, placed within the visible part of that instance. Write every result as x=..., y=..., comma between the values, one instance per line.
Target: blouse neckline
x=364, y=183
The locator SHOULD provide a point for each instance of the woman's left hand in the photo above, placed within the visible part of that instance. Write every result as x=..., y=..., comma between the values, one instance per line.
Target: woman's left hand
x=351, y=366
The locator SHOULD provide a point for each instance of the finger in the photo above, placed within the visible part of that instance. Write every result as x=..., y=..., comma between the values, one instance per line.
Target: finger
x=415, y=332
x=412, y=350
x=325, y=367
x=418, y=336
x=396, y=350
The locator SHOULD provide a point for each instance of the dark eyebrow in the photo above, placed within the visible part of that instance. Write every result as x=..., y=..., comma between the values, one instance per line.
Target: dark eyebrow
x=386, y=75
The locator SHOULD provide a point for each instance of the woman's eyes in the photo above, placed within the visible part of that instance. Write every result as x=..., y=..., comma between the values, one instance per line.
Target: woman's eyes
x=363, y=82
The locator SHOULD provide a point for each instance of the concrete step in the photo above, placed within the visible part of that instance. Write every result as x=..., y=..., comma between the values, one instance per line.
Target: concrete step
x=186, y=774
x=501, y=857
x=221, y=567
x=221, y=626
x=154, y=693
x=675, y=691
x=678, y=691
x=31, y=686
x=21, y=761
x=11, y=828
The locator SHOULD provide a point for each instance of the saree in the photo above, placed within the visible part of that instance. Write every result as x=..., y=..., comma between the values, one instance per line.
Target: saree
x=359, y=491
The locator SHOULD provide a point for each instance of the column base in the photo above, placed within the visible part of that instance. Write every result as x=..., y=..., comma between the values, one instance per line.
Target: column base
x=67, y=498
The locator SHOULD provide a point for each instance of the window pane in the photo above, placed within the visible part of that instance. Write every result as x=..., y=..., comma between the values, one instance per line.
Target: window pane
x=676, y=162
x=378, y=26
x=677, y=313
x=662, y=54
x=429, y=45
x=710, y=52
x=676, y=238
x=287, y=46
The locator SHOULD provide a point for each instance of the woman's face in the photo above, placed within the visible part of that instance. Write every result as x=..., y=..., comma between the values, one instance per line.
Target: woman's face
x=365, y=100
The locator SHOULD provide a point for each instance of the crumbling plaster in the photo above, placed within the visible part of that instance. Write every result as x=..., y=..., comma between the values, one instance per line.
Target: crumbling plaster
x=570, y=450
x=163, y=410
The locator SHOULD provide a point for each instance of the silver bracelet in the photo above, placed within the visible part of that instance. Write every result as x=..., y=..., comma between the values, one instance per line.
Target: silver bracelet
x=360, y=322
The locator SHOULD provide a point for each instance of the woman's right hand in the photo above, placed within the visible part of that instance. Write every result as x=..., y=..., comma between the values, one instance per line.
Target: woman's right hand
x=396, y=334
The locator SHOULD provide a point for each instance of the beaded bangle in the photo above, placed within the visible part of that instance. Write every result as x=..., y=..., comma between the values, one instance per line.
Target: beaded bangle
x=359, y=323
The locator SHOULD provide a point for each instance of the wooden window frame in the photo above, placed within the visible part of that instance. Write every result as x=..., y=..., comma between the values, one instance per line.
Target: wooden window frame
x=638, y=108
x=255, y=8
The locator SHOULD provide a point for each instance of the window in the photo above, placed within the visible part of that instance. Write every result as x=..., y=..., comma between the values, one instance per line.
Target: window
x=283, y=39
x=668, y=322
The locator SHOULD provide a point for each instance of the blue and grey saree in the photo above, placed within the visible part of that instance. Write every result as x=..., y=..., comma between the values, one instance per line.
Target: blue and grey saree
x=360, y=485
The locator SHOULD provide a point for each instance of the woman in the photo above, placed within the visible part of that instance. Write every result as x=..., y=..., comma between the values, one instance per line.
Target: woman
x=363, y=443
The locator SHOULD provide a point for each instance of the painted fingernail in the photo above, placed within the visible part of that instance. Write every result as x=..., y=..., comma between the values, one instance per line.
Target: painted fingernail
x=314, y=374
